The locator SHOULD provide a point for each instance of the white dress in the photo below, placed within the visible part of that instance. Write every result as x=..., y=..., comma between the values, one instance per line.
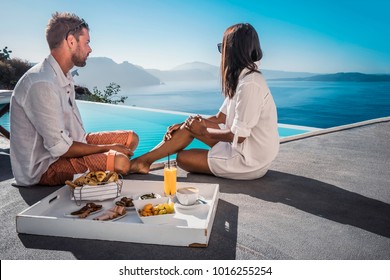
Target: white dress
x=251, y=113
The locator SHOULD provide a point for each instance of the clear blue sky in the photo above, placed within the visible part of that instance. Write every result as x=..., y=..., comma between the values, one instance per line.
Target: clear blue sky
x=324, y=36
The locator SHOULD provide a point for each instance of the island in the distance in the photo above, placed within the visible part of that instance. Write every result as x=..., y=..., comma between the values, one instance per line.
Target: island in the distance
x=342, y=77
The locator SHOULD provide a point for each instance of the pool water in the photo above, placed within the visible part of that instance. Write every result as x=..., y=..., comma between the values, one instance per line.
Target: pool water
x=149, y=124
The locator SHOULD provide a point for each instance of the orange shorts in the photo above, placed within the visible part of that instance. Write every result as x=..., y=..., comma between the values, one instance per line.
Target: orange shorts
x=64, y=168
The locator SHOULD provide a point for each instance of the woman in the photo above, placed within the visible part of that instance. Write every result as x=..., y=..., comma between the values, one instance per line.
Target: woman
x=243, y=135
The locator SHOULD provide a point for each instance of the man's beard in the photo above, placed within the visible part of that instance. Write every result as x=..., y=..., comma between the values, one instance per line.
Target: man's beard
x=79, y=61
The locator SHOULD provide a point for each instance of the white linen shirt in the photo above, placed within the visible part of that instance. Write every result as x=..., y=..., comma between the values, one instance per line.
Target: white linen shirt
x=44, y=120
x=251, y=113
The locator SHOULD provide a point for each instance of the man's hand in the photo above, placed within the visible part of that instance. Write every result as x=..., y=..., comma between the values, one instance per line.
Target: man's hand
x=171, y=130
x=78, y=149
x=121, y=149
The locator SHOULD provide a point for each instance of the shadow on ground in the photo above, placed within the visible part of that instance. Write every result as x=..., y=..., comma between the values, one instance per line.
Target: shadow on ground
x=5, y=165
x=308, y=195
x=314, y=197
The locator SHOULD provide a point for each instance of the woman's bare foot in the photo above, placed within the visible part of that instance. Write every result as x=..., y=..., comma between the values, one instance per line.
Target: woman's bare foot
x=138, y=165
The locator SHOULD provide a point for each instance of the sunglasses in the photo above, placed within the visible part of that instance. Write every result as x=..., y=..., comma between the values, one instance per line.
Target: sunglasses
x=72, y=30
x=219, y=46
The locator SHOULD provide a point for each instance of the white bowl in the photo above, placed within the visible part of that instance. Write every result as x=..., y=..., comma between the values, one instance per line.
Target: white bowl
x=156, y=219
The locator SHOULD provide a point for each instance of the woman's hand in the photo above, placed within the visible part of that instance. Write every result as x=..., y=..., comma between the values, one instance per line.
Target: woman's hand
x=196, y=125
x=171, y=130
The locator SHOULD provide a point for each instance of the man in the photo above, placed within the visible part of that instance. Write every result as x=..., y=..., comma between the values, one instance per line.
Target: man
x=48, y=140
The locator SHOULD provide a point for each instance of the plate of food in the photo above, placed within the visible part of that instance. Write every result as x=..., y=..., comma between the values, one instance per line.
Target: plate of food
x=117, y=218
x=106, y=217
x=85, y=211
x=125, y=201
x=161, y=213
x=112, y=214
x=145, y=196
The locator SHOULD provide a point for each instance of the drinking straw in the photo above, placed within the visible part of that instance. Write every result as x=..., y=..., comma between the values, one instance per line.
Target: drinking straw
x=169, y=163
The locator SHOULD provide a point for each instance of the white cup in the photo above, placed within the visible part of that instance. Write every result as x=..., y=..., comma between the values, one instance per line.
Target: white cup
x=187, y=196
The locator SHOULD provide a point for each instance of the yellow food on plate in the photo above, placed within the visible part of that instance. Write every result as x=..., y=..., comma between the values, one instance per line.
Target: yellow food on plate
x=159, y=209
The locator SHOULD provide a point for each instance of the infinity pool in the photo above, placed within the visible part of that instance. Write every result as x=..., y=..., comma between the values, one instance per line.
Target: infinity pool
x=149, y=124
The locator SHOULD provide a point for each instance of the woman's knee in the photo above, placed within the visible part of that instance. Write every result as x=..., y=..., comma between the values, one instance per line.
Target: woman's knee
x=122, y=163
x=134, y=141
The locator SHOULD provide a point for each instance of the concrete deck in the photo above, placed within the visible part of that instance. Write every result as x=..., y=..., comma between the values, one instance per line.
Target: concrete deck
x=326, y=197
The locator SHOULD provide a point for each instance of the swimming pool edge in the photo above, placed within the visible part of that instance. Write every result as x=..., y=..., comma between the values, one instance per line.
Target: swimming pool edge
x=333, y=129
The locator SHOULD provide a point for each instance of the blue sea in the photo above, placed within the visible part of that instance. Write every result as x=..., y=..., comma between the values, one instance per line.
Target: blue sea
x=306, y=103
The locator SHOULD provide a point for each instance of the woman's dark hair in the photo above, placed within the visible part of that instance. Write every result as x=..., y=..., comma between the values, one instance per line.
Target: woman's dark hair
x=61, y=25
x=240, y=50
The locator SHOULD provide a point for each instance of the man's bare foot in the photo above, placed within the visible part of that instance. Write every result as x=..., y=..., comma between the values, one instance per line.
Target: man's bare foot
x=137, y=165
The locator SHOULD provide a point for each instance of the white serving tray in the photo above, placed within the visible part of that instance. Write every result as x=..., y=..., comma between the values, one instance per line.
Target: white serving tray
x=190, y=227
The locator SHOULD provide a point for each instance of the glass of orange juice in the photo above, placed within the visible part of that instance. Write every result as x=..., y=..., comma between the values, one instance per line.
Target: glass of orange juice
x=170, y=174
